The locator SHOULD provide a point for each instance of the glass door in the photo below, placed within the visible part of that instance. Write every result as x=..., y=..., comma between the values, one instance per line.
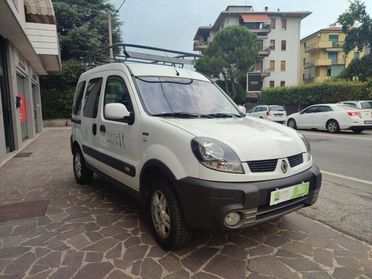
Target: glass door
x=22, y=106
x=5, y=100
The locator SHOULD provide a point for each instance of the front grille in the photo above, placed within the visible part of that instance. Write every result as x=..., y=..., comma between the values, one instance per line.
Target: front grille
x=263, y=165
x=295, y=160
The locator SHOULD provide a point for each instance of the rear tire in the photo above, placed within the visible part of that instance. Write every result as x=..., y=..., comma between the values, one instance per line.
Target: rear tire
x=83, y=175
x=292, y=123
x=332, y=126
x=165, y=216
x=357, y=131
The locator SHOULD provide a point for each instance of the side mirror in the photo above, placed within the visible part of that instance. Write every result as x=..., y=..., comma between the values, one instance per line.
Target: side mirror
x=242, y=109
x=116, y=111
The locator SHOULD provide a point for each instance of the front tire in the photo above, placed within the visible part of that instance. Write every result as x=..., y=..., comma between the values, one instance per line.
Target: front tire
x=332, y=126
x=83, y=175
x=292, y=123
x=165, y=216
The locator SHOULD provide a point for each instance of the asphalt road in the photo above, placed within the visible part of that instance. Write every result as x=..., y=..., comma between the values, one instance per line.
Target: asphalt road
x=346, y=154
x=345, y=200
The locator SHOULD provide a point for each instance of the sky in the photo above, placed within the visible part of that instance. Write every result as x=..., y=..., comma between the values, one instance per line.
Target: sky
x=173, y=23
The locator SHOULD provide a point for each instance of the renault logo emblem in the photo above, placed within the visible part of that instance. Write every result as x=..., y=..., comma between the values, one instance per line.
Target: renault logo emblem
x=284, y=166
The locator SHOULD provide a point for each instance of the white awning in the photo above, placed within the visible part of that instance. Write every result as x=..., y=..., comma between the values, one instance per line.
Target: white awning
x=39, y=7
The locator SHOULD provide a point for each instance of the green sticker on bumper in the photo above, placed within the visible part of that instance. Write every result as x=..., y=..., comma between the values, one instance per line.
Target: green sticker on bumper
x=289, y=193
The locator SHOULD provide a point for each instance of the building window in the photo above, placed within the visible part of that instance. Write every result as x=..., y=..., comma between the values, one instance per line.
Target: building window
x=284, y=24
x=282, y=65
x=329, y=72
x=272, y=83
x=282, y=83
x=272, y=65
x=273, y=23
x=356, y=55
x=304, y=61
x=272, y=44
x=284, y=45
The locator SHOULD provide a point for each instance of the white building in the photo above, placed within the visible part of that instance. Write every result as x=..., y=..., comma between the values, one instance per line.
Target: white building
x=279, y=36
x=28, y=48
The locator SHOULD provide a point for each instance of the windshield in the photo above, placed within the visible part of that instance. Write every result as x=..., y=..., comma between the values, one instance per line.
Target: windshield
x=366, y=105
x=276, y=108
x=181, y=96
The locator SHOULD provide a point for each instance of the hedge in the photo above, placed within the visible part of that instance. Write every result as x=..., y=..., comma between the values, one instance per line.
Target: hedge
x=57, y=103
x=315, y=93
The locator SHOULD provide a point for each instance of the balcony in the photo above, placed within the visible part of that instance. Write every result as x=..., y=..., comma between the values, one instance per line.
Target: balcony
x=325, y=62
x=265, y=73
x=264, y=52
x=309, y=64
x=44, y=40
x=328, y=45
x=200, y=46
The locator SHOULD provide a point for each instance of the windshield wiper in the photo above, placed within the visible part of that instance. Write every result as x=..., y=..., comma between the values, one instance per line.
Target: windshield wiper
x=179, y=114
x=223, y=115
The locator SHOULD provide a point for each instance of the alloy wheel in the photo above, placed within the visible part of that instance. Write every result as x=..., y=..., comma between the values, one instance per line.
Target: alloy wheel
x=160, y=214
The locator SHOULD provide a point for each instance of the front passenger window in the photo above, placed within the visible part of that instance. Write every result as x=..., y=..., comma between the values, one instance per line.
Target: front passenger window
x=116, y=91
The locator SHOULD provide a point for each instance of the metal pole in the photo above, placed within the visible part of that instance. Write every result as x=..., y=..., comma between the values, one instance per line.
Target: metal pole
x=110, y=36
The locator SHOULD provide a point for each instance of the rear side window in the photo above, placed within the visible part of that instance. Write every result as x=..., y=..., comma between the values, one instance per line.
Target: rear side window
x=76, y=106
x=323, y=109
x=276, y=108
x=366, y=105
x=92, y=98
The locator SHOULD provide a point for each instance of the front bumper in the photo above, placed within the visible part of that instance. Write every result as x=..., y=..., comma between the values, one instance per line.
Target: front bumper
x=206, y=203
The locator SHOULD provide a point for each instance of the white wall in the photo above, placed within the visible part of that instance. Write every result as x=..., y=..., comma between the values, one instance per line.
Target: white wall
x=291, y=55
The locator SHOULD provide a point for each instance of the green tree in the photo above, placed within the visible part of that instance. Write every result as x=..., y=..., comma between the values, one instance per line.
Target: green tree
x=357, y=25
x=82, y=27
x=231, y=54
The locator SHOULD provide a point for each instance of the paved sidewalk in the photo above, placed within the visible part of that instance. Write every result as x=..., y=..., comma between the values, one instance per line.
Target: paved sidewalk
x=96, y=231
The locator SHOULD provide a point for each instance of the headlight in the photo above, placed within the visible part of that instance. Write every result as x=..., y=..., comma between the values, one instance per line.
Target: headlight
x=216, y=155
x=307, y=144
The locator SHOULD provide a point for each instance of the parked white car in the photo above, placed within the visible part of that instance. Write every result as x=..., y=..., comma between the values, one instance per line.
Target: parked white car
x=364, y=105
x=331, y=117
x=182, y=147
x=272, y=112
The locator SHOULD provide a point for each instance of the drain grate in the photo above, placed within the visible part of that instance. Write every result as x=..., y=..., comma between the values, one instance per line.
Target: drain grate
x=23, y=154
x=23, y=210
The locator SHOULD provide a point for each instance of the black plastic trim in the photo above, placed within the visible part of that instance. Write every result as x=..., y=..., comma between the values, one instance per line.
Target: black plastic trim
x=111, y=161
x=115, y=182
x=205, y=203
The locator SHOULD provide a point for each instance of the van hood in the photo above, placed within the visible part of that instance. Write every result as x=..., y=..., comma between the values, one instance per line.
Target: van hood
x=251, y=138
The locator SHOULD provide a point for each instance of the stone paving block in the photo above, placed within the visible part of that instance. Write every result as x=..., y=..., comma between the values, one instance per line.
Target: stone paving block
x=115, y=252
x=93, y=257
x=131, y=255
x=179, y=274
x=346, y=273
x=271, y=266
x=226, y=267
x=261, y=250
x=204, y=275
x=302, y=264
x=170, y=263
x=13, y=252
x=78, y=241
x=150, y=269
x=299, y=247
x=94, y=271
x=118, y=274
x=235, y=252
x=324, y=257
x=198, y=258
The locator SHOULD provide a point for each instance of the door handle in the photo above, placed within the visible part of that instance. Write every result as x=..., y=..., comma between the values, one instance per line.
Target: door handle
x=102, y=128
x=94, y=129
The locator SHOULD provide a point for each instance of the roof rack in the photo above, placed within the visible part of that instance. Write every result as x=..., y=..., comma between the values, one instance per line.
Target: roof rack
x=129, y=52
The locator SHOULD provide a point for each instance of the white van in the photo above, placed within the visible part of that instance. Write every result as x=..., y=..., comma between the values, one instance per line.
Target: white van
x=182, y=147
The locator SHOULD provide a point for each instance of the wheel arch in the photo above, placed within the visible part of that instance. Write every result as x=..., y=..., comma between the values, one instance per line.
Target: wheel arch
x=151, y=168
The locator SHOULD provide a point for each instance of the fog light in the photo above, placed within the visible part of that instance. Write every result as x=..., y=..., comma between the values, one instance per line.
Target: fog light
x=232, y=219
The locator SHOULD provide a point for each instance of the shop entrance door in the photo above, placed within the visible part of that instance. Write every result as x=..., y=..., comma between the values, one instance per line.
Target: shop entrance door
x=35, y=104
x=22, y=106
x=5, y=100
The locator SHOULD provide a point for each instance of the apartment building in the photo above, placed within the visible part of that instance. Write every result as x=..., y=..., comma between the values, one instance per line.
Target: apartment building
x=28, y=48
x=322, y=55
x=279, y=37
